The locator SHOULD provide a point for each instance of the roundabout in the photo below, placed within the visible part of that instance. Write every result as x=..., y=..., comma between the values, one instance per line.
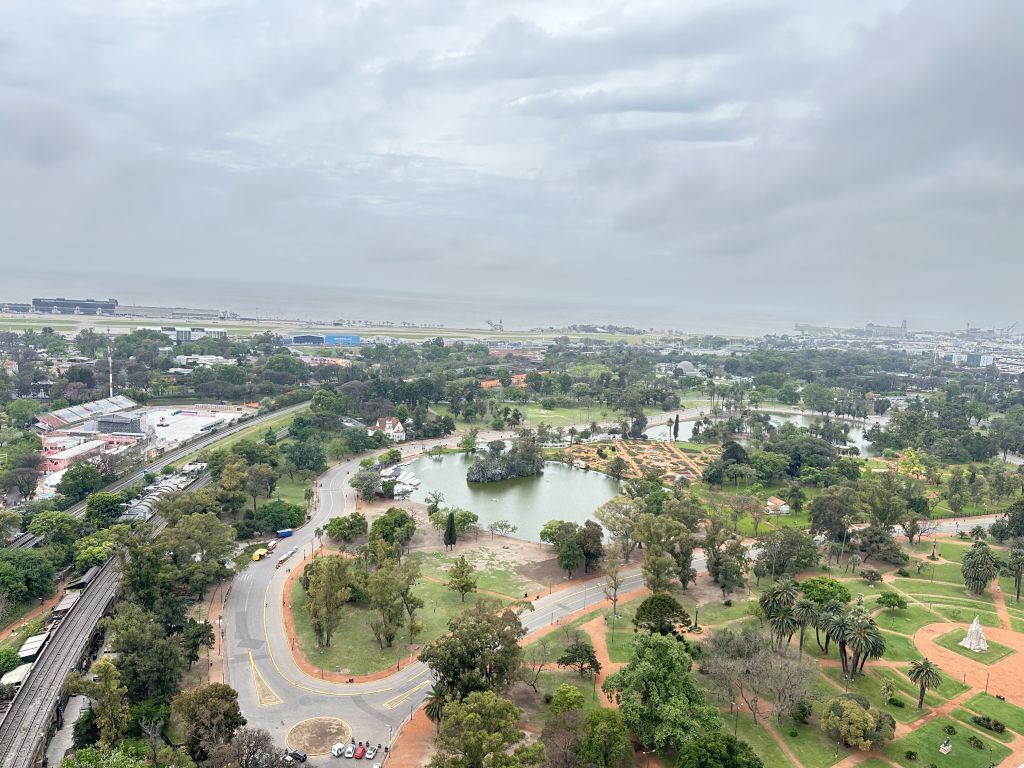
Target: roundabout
x=316, y=735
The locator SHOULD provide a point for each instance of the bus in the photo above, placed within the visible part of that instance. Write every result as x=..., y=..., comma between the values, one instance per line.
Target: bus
x=259, y=554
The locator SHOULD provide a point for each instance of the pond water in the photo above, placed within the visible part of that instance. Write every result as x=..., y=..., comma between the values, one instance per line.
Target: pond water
x=559, y=493
x=856, y=438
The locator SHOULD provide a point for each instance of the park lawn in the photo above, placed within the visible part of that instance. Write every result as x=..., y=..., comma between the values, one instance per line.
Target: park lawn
x=899, y=647
x=353, y=646
x=948, y=548
x=938, y=589
x=926, y=739
x=292, y=491
x=960, y=613
x=619, y=634
x=948, y=688
x=964, y=716
x=491, y=575
x=869, y=686
x=759, y=738
x=908, y=620
x=874, y=762
x=1008, y=714
x=811, y=745
x=712, y=614
x=548, y=683
x=942, y=572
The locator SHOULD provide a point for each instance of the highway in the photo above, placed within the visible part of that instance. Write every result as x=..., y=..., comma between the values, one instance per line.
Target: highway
x=28, y=540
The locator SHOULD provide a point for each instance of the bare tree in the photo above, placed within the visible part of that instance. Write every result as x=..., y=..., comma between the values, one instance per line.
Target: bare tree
x=153, y=733
x=613, y=576
x=536, y=657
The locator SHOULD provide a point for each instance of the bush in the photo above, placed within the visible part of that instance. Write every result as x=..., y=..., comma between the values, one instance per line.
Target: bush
x=950, y=730
x=988, y=723
x=897, y=702
x=548, y=698
x=975, y=742
x=802, y=712
x=910, y=754
x=902, y=572
x=727, y=603
x=793, y=732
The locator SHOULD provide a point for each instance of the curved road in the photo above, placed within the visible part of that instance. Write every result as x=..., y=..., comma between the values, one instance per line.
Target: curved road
x=255, y=642
x=256, y=645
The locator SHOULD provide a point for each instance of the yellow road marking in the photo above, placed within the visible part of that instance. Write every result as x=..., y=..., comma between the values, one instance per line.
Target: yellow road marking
x=392, y=703
x=264, y=693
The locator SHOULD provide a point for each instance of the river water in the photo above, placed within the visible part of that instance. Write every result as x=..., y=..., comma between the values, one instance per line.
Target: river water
x=559, y=493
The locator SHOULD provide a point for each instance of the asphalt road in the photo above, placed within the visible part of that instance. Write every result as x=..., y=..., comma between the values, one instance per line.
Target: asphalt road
x=256, y=643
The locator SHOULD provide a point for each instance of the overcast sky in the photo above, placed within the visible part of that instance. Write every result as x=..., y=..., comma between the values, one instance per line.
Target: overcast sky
x=844, y=160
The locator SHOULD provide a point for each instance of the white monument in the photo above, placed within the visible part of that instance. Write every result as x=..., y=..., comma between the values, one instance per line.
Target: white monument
x=975, y=640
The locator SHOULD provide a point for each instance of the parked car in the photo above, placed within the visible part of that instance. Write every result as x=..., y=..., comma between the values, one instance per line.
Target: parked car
x=350, y=749
x=294, y=756
x=360, y=751
x=371, y=752
x=338, y=750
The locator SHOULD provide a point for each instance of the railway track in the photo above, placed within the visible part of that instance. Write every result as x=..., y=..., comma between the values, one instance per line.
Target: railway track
x=28, y=540
x=26, y=723
x=24, y=727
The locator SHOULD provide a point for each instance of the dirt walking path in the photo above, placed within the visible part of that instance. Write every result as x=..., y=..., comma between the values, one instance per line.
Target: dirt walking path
x=40, y=609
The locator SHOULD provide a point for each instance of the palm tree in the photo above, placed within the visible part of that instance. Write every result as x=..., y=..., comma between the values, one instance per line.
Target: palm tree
x=926, y=674
x=826, y=618
x=854, y=561
x=805, y=612
x=781, y=594
x=783, y=623
x=434, y=704
x=863, y=638
x=978, y=533
x=319, y=533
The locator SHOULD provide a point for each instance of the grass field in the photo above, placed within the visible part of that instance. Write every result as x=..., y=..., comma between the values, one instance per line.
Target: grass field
x=899, y=647
x=491, y=575
x=1008, y=714
x=759, y=738
x=907, y=621
x=926, y=740
x=869, y=686
x=964, y=716
x=994, y=653
x=939, y=589
x=353, y=647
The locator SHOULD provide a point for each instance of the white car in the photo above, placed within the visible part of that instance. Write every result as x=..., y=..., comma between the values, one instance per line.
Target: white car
x=371, y=752
x=350, y=750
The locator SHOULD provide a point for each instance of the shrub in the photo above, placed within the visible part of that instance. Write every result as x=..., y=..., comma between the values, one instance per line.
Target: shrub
x=950, y=730
x=910, y=754
x=975, y=742
x=727, y=603
x=896, y=702
x=988, y=723
x=802, y=712
x=902, y=572
x=793, y=732
x=548, y=698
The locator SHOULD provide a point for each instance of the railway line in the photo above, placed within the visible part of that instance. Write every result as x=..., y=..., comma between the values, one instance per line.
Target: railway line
x=28, y=540
x=24, y=727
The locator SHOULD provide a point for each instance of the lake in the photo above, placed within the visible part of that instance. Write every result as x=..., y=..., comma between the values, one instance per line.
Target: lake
x=660, y=431
x=560, y=492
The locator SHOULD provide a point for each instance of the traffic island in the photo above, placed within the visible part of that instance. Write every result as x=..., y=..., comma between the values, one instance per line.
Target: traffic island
x=317, y=735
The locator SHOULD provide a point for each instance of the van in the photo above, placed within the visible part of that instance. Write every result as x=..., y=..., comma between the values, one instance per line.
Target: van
x=259, y=554
x=271, y=545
